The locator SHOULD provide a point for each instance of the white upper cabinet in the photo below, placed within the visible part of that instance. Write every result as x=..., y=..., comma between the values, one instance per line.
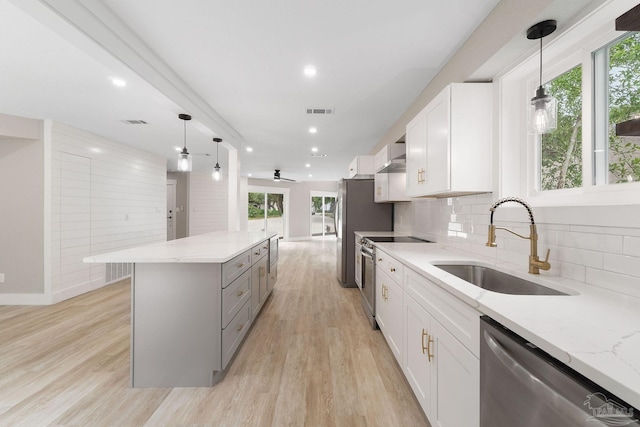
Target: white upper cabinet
x=449, y=143
x=362, y=167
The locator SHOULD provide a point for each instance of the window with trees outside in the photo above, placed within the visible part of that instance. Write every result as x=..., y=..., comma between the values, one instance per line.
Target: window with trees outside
x=616, y=98
x=561, y=150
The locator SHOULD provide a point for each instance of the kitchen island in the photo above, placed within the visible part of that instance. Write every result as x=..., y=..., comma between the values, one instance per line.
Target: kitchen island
x=192, y=303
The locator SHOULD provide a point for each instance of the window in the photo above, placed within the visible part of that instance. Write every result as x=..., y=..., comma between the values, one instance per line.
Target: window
x=561, y=150
x=617, y=99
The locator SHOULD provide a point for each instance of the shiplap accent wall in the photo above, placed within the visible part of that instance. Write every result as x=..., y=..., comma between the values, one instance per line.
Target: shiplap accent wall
x=105, y=197
x=209, y=204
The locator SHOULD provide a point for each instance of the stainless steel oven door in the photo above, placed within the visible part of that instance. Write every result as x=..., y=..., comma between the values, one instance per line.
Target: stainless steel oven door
x=368, y=286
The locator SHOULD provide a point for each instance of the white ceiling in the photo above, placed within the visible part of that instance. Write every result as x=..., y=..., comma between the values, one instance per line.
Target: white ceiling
x=236, y=67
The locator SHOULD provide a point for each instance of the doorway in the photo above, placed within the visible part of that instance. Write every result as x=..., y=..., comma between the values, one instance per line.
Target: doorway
x=171, y=209
x=268, y=210
x=323, y=208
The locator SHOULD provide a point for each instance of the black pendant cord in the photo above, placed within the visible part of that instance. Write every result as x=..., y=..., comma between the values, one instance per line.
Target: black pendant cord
x=217, y=146
x=540, y=61
x=185, y=134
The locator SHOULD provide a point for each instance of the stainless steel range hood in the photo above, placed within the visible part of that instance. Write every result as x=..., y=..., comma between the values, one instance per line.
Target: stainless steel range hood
x=395, y=159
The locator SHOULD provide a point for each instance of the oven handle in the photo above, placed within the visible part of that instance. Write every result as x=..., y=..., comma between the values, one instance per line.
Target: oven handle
x=544, y=392
x=366, y=254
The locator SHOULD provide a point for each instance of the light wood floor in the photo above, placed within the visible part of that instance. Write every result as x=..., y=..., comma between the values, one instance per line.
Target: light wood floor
x=310, y=359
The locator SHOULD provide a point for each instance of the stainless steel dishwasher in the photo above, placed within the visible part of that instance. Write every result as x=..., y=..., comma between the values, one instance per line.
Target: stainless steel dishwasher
x=521, y=385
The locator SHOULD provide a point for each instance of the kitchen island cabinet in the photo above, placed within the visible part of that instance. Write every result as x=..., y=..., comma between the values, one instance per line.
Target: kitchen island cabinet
x=192, y=304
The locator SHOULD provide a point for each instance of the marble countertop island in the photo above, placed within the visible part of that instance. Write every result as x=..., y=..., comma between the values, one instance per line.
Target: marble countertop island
x=215, y=247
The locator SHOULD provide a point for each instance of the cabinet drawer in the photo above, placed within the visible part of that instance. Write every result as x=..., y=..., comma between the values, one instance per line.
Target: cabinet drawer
x=233, y=268
x=390, y=266
x=259, y=251
x=234, y=332
x=462, y=321
x=234, y=296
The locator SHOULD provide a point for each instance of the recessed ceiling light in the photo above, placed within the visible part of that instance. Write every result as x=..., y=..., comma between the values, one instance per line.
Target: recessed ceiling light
x=313, y=130
x=118, y=82
x=249, y=175
x=249, y=149
x=310, y=175
x=314, y=149
x=310, y=71
x=308, y=165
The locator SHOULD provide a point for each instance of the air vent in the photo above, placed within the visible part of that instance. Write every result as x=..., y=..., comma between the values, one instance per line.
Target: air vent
x=135, y=122
x=321, y=111
x=318, y=155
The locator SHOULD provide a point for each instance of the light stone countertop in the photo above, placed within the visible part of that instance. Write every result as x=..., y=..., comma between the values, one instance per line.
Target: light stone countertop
x=215, y=247
x=595, y=332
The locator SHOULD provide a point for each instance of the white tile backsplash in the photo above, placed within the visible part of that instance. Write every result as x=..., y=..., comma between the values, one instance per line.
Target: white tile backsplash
x=587, y=243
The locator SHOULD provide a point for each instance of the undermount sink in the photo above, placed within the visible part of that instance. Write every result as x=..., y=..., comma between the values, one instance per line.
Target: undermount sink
x=496, y=281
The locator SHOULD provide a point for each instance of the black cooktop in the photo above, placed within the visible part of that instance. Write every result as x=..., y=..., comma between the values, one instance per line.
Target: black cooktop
x=398, y=239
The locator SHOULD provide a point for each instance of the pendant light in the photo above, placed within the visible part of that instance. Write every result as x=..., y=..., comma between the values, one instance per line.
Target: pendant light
x=217, y=175
x=543, y=108
x=184, y=158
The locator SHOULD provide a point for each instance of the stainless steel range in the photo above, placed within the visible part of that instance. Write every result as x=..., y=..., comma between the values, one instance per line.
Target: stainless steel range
x=368, y=281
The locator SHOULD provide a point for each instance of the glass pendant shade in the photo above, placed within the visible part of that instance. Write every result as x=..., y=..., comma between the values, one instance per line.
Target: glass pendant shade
x=543, y=112
x=542, y=108
x=216, y=174
x=184, y=161
x=184, y=158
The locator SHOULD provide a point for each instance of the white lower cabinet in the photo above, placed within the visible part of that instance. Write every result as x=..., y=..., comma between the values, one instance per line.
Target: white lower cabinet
x=417, y=367
x=455, y=387
x=443, y=373
x=388, y=306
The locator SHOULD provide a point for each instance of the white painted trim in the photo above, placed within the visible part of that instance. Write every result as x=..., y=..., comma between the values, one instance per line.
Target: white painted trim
x=25, y=299
x=47, y=216
x=67, y=293
x=299, y=239
x=233, y=223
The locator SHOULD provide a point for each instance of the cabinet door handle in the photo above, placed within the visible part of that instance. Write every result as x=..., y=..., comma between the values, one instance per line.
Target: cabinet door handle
x=379, y=259
x=240, y=293
x=392, y=269
x=424, y=348
x=240, y=327
x=257, y=253
x=240, y=265
x=429, y=342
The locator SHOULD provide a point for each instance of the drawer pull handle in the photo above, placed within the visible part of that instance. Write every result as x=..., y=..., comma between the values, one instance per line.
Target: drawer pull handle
x=240, y=293
x=240, y=327
x=379, y=259
x=429, y=354
x=392, y=269
x=424, y=348
x=241, y=264
x=257, y=253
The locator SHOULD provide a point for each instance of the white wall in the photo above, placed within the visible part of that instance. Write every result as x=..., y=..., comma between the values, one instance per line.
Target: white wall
x=104, y=197
x=299, y=202
x=21, y=214
x=208, y=204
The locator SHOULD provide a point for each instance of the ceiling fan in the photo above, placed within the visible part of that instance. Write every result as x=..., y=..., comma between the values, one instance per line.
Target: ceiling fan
x=277, y=177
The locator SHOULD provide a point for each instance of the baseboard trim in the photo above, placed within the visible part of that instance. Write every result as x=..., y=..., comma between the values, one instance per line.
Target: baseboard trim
x=25, y=299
